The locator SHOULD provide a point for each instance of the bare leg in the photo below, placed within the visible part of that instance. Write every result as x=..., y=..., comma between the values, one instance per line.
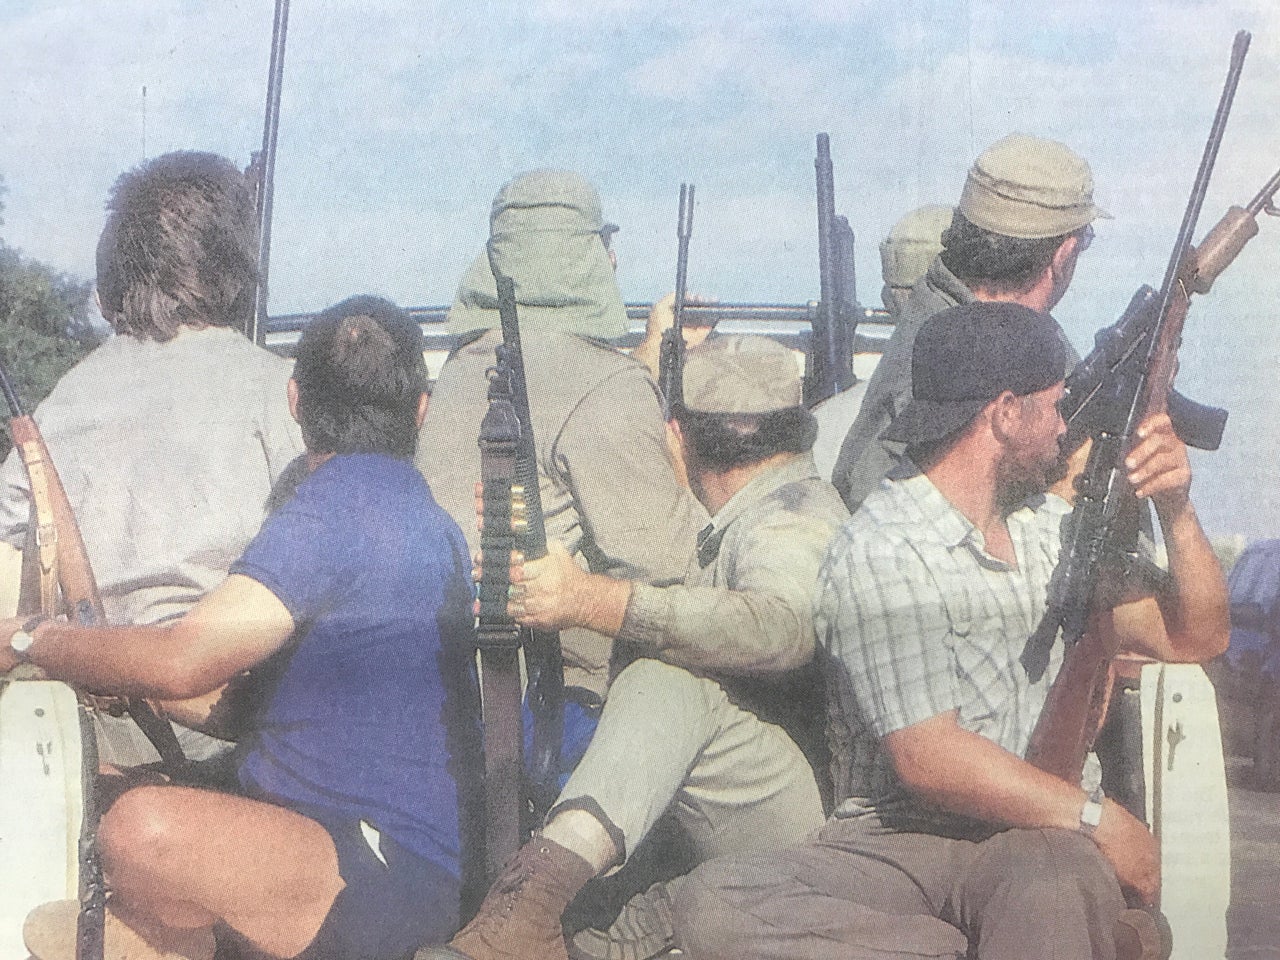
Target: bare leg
x=186, y=858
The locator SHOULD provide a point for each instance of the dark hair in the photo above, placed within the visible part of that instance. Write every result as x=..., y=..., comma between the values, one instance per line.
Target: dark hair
x=980, y=258
x=180, y=247
x=360, y=376
x=721, y=441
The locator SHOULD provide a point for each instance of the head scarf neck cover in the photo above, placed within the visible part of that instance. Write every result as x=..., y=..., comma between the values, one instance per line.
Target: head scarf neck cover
x=545, y=230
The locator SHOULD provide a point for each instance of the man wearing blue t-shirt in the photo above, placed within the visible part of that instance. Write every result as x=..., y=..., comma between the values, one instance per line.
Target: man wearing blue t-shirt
x=347, y=840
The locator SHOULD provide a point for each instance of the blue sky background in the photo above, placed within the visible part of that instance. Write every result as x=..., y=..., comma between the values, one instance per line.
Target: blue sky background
x=401, y=118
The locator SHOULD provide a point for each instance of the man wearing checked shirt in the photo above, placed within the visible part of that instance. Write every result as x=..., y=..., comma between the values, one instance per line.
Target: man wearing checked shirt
x=944, y=841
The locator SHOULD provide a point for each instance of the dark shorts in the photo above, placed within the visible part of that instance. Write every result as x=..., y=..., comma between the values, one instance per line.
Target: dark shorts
x=387, y=910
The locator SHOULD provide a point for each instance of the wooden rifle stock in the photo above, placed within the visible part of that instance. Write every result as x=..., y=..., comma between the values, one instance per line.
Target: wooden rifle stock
x=1099, y=553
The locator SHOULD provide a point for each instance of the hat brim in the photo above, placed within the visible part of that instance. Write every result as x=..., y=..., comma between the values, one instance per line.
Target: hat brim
x=926, y=421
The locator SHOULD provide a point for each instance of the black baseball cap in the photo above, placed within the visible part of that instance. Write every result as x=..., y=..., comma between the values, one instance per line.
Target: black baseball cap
x=966, y=356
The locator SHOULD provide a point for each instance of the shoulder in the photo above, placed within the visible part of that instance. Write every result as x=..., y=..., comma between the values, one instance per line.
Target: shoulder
x=890, y=535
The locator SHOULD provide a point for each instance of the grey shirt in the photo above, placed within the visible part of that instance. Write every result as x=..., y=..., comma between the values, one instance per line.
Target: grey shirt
x=609, y=490
x=864, y=458
x=167, y=452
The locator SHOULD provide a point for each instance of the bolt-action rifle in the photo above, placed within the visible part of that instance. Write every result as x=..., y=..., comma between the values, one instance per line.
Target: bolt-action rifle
x=829, y=364
x=57, y=577
x=513, y=520
x=1127, y=379
x=671, y=353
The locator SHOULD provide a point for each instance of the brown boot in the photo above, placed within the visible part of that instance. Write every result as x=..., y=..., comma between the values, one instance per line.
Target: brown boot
x=50, y=934
x=520, y=917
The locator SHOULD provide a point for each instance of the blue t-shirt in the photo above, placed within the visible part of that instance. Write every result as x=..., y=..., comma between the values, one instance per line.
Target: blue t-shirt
x=373, y=716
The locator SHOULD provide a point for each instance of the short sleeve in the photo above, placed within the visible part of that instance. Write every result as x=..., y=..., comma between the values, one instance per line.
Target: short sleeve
x=301, y=556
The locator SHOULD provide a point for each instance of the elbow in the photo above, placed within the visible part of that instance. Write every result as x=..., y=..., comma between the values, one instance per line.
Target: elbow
x=185, y=678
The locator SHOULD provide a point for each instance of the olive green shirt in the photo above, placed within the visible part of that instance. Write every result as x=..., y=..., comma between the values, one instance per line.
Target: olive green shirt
x=609, y=490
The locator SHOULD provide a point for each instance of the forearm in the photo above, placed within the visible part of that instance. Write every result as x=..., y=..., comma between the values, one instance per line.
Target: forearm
x=716, y=629
x=1195, y=607
x=135, y=661
x=967, y=774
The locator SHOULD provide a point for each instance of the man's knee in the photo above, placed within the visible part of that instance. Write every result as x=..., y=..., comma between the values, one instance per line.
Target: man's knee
x=1060, y=869
x=142, y=823
x=647, y=677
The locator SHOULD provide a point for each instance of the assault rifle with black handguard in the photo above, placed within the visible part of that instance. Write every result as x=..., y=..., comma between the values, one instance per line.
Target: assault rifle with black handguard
x=1126, y=379
x=671, y=352
x=829, y=363
x=513, y=520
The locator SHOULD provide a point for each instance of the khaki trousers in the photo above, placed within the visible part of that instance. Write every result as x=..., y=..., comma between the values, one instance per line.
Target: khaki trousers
x=858, y=891
x=669, y=739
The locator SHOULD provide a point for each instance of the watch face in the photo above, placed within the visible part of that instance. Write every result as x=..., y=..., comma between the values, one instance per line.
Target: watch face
x=21, y=642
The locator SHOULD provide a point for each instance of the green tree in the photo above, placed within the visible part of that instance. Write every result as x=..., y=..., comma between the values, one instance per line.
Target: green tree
x=45, y=323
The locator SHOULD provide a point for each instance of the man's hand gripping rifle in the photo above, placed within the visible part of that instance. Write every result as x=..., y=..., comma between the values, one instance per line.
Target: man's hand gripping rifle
x=513, y=521
x=1127, y=378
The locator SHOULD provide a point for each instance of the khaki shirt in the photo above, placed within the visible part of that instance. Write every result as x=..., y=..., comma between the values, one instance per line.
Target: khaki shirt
x=168, y=452
x=609, y=491
x=745, y=604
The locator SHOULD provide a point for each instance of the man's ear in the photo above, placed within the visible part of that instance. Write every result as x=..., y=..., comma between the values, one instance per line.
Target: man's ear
x=1006, y=414
x=1065, y=256
x=423, y=402
x=291, y=391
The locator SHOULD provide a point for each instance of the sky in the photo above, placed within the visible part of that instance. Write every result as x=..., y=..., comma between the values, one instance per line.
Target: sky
x=401, y=118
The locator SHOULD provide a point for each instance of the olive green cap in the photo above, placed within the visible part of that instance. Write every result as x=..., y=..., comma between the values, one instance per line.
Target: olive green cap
x=545, y=228
x=1030, y=188
x=741, y=374
x=912, y=243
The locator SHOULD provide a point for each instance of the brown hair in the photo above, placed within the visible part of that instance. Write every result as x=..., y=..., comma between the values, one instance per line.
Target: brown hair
x=179, y=248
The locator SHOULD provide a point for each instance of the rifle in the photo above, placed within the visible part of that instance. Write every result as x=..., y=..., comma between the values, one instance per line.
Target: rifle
x=513, y=519
x=671, y=353
x=829, y=366
x=262, y=170
x=55, y=567
x=1100, y=549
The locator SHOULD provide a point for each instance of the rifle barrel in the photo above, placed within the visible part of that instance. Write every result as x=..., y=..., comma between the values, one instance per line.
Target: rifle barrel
x=1201, y=186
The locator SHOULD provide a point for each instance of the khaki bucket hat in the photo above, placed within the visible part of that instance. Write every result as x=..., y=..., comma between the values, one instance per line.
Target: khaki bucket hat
x=1030, y=188
x=741, y=374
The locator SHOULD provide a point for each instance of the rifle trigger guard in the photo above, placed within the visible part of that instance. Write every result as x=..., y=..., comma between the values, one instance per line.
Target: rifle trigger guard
x=1270, y=209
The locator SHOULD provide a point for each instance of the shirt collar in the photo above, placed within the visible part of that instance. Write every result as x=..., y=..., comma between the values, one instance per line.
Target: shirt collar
x=798, y=467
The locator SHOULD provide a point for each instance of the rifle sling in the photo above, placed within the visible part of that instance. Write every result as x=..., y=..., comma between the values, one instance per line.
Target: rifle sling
x=40, y=565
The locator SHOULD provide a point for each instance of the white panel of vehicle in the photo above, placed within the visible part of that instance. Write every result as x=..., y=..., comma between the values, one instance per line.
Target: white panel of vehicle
x=41, y=802
x=1187, y=806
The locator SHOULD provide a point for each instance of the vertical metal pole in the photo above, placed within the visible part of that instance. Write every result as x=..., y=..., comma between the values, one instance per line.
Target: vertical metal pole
x=257, y=329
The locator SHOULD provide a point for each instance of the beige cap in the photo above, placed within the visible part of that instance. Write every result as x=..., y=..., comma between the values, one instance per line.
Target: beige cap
x=905, y=254
x=741, y=374
x=1029, y=187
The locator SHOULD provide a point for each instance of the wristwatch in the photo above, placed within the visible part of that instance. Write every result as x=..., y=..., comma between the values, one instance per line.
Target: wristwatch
x=1091, y=812
x=20, y=642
